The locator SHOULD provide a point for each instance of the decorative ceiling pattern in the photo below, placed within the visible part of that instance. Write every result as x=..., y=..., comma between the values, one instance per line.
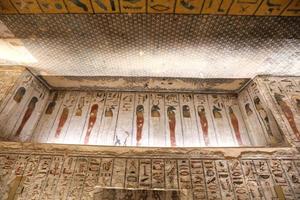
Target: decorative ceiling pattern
x=218, y=7
x=194, y=46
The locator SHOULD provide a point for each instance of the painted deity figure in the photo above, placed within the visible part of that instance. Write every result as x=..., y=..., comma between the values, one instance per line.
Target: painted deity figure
x=287, y=113
x=109, y=111
x=235, y=125
x=62, y=120
x=19, y=94
x=186, y=111
x=155, y=111
x=51, y=105
x=249, y=111
x=139, y=123
x=79, y=107
x=263, y=115
x=27, y=115
x=204, y=123
x=217, y=112
x=172, y=124
x=91, y=123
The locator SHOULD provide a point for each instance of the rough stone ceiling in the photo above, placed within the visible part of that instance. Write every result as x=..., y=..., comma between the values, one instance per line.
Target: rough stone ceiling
x=199, y=46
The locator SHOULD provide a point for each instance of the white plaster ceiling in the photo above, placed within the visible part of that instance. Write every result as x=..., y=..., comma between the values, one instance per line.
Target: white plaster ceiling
x=195, y=46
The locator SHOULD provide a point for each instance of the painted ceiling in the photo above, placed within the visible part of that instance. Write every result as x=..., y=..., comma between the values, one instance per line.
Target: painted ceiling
x=161, y=45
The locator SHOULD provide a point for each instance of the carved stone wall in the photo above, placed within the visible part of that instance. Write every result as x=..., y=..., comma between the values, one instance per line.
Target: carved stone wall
x=267, y=111
x=78, y=172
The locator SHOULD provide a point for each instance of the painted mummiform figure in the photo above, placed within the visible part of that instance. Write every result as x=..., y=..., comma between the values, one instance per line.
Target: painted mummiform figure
x=264, y=116
x=190, y=132
x=139, y=123
x=19, y=94
x=172, y=124
x=204, y=123
x=51, y=105
x=67, y=110
x=91, y=123
x=235, y=125
x=287, y=113
x=28, y=113
x=62, y=120
x=221, y=120
x=157, y=135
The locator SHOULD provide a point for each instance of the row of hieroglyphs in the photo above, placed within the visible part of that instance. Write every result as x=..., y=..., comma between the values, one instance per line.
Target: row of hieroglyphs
x=222, y=7
x=38, y=176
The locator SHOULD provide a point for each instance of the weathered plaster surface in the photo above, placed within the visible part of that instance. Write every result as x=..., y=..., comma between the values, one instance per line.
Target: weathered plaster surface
x=145, y=84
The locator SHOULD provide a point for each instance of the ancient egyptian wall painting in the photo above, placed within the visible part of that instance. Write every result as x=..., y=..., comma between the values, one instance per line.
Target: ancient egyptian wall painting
x=54, y=176
x=139, y=119
x=30, y=113
x=21, y=108
x=144, y=119
x=285, y=95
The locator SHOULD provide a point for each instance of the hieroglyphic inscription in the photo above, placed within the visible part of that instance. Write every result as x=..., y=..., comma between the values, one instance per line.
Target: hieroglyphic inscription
x=48, y=176
x=198, y=179
x=252, y=179
x=224, y=179
x=158, y=173
x=65, y=178
x=145, y=173
x=171, y=174
x=238, y=182
x=132, y=173
x=118, y=174
x=211, y=180
x=77, y=184
x=91, y=178
x=282, y=187
x=52, y=178
x=106, y=172
x=265, y=178
x=292, y=176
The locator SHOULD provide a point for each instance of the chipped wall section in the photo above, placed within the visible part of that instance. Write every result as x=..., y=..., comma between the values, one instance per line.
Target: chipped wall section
x=8, y=78
x=21, y=108
x=222, y=85
x=283, y=97
x=187, y=174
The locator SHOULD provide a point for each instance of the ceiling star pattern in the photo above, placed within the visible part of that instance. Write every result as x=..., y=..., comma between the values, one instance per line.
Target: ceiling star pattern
x=195, y=46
